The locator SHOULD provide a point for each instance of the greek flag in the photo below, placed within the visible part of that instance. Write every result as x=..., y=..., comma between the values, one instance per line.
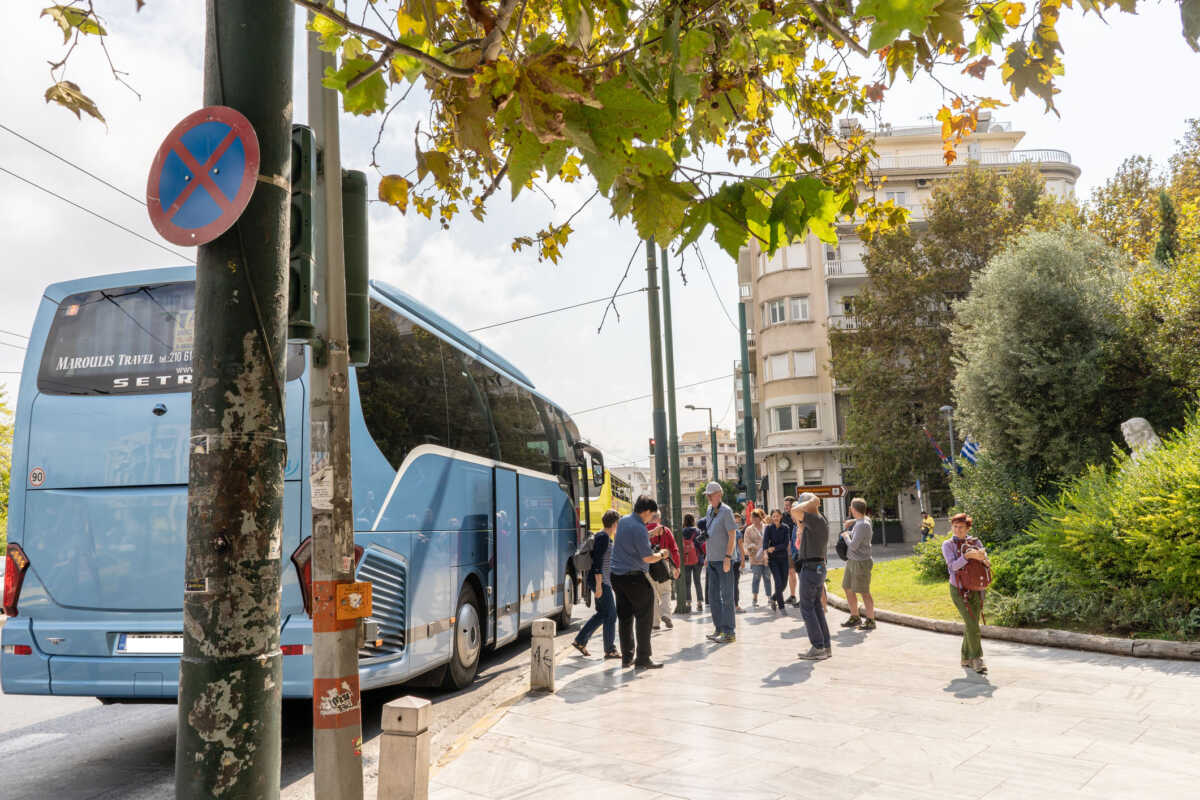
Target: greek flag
x=970, y=451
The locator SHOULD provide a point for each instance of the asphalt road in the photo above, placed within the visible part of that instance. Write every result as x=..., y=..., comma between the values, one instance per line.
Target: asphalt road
x=72, y=748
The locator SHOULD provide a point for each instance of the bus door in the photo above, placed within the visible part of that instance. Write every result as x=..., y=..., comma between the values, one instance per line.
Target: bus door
x=506, y=576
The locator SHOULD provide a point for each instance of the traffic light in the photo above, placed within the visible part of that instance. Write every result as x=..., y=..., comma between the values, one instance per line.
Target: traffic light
x=302, y=264
x=651, y=445
x=354, y=235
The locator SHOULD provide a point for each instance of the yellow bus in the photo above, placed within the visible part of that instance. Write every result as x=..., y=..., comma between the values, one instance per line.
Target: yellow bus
x=615, y=494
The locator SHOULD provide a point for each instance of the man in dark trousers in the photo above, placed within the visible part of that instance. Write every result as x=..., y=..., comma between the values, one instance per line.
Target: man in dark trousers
x=631, y=557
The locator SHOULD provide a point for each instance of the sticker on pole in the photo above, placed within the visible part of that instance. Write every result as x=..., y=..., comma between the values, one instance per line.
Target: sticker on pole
x=203, y=176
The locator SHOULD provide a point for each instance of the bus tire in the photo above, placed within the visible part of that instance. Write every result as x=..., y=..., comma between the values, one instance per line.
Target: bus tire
x=467, y=640
x=563, y=620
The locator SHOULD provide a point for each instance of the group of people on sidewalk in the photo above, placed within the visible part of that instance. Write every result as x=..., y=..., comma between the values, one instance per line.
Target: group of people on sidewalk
x=789, y=549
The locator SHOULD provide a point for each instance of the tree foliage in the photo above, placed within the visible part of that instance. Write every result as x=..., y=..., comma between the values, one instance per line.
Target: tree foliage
x=1046, y=368
x=896, y=365
x=691, y=116
x=6, y=436
x=730, y=498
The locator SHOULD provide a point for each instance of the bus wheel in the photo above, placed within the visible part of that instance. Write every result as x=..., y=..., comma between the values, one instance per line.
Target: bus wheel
x=563, y=620
x=468, y=641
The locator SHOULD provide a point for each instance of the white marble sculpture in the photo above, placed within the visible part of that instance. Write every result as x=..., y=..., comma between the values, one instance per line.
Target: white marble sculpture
x=1139, y=435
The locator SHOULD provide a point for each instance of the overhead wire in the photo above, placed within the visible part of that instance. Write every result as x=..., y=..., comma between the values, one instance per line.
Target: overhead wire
x=72, y=164
x=14, y=333
x=87, y=210
x=713, y=284
x=645, y=396
x=557, y=310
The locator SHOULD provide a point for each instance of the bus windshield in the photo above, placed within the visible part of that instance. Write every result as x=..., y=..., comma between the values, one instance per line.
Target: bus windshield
x=132, y=340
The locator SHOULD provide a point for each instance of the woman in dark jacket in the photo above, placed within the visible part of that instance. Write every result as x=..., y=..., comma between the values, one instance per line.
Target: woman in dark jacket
x=775, y=543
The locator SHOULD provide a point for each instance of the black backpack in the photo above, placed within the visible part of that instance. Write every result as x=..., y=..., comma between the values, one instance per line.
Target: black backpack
x=842, y=548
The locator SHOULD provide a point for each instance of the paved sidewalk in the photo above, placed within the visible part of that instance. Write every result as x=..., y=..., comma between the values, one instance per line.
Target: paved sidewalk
x=891, y=715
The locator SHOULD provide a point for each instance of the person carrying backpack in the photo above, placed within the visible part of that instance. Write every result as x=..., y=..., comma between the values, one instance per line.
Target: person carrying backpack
x=693, y=561
x=599, y=582
x=969, y=567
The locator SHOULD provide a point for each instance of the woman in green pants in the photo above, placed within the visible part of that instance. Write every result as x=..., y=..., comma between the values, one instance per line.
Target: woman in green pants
x=957, y=550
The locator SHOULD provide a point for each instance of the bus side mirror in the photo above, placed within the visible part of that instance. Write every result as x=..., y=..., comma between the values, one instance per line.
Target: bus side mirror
x=597, y=470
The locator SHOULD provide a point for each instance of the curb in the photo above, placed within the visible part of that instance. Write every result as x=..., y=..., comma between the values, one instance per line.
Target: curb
x=1044, y=637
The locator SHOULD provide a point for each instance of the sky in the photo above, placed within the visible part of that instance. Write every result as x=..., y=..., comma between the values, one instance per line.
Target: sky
x=1125, y=91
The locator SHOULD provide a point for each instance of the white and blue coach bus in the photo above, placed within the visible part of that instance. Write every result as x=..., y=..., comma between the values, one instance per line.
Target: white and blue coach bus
x=465, y=484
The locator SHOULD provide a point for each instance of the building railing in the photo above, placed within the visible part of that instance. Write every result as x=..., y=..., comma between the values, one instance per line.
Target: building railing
x=845, y=268
x=843, y=322
x=995, y=158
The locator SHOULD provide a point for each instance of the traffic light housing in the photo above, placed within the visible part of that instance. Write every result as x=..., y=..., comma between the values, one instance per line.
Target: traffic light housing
x=302, y=262
x=651, y=445
x=354, y=236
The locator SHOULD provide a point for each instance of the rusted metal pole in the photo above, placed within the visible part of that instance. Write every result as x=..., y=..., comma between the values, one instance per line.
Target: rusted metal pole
x=228, y=742
x=337, y=711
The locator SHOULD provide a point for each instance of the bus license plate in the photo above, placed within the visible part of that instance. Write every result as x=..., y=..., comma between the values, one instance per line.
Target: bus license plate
x=157, y=644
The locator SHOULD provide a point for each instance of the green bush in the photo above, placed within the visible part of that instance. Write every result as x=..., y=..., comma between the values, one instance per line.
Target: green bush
x=928, y=558
x=998, y=498
x=1136, y=523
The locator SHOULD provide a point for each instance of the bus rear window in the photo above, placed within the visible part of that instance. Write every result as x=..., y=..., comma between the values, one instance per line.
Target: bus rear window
x=132, y=340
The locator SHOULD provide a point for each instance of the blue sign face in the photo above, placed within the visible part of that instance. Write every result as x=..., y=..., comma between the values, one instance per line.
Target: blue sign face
x=203, y=176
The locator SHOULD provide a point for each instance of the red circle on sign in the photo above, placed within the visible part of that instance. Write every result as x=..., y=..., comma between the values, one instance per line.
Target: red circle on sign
x=37, y=476
x=174, y=161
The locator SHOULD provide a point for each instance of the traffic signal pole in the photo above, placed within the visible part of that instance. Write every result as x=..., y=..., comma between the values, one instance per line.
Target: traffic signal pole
x=750, y=476
x=230, y=674
x=676, y=519
x=337, y=710
x=662, y=458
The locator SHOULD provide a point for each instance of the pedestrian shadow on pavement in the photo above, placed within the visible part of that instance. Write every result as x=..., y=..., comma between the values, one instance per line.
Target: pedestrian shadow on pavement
x=789, y=675
x=848, y=637
x=693, y=652
x=967, y=687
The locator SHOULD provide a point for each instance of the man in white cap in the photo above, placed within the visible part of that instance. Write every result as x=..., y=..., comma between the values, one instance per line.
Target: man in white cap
x=722, y=539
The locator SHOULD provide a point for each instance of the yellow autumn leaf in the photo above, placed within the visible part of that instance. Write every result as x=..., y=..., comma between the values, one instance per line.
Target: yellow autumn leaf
x=393, y=190
x=1013, y=13
x=406, y=23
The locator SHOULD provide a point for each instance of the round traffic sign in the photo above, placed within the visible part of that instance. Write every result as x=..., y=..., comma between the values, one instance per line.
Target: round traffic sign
x=203, y=175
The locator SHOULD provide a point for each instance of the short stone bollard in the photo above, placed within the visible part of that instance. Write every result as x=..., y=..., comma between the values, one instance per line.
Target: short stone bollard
x=541, y=676
x=404, y=750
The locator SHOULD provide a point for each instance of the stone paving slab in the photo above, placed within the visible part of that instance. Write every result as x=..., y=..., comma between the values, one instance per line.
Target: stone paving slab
x=891, y=715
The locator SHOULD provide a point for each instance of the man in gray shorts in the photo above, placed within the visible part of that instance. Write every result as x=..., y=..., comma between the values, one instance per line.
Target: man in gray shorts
x=856, y=579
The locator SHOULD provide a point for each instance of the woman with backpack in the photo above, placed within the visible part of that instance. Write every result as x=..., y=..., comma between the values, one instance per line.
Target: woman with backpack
x=776, y=543
x=968, y=564
x=693, y=562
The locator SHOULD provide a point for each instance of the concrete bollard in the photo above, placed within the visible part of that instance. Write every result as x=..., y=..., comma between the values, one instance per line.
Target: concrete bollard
x=541, y=676
x=404, y=750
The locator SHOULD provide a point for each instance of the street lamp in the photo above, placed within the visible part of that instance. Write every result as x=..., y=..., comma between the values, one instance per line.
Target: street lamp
x=712, y=435
x=948, y=413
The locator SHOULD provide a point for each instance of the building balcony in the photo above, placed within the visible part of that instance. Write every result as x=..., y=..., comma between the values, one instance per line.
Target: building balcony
x=999, y=158
x=843, y=322
x=850, y=268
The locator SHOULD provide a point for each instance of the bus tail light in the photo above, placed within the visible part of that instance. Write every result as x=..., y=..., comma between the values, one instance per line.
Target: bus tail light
x=302, y=560
x=295, y=649
x=18, y=649
x=16, y=563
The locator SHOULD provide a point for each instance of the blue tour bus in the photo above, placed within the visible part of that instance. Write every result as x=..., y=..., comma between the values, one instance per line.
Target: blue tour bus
x=464, y=482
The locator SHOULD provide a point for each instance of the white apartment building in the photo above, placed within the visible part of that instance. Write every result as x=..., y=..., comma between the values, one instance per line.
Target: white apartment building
x=799, y=293
x=640, y=480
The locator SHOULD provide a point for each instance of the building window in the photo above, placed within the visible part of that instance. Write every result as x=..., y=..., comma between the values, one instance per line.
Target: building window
x=774, y=262
x=777, y=367
x=848, y=305
x=797, y=256
x=814, y=477
x=775, y=312
x=689, y=461
x=806, y=363
x=806, y=415
x=833, y=252
x=900, y=198
x=781, y=418
x=799, y=308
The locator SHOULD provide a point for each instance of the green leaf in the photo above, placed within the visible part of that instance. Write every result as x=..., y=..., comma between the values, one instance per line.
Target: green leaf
x=894, y=17
x=578, y=17
x=659, y=207
x=331, y=32
x=1189, y=12
x=365, y=98
x=69, y=96
x=71, y=19
x=556, y=153
x=435, y=162
x=524, y=157
x=946, y=22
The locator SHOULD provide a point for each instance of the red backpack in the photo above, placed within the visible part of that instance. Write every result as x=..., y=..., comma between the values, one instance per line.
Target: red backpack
x=691, y=556
x=976, y=575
